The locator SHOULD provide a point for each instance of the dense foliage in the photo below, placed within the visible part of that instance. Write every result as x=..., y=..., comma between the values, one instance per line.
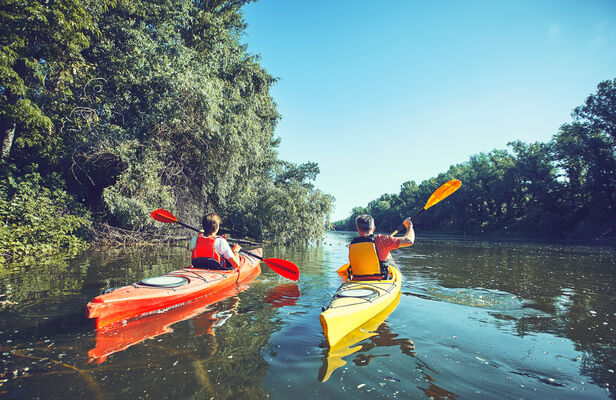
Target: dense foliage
x=137, y=105
x=562, y=189
x=36, y=220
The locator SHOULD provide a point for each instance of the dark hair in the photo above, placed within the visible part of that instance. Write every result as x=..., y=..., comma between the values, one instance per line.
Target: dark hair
x=364, y=223
x=210, y=223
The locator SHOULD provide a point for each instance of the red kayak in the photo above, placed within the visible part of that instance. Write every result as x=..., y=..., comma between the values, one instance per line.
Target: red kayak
x=121, y=337
x=170, y=290
x=202, y=311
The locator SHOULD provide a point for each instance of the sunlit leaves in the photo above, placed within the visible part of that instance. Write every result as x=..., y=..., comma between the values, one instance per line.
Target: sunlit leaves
x=144, y=104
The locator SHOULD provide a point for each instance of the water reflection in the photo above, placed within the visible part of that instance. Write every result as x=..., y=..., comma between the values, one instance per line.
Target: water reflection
x=205, y=314
x=283, y=295
x=528, y=290
x=433, y=392
x=476, y=320
x=375, y=330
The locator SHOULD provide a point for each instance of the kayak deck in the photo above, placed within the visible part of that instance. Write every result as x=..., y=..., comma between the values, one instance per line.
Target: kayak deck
x=142, y=298
x=356, y=302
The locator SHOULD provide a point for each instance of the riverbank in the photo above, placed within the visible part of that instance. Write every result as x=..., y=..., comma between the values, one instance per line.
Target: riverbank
x=506, y=237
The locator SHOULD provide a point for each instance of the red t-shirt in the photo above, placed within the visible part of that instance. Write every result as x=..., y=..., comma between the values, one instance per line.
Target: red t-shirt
x=384, y=244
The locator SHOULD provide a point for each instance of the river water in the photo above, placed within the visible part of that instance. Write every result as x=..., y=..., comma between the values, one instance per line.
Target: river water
x=476, y=320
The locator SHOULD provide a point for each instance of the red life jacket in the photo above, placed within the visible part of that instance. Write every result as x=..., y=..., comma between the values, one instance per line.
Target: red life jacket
x=204, y=255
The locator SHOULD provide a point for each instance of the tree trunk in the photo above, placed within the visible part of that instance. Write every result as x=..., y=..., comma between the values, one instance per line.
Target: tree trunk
x=8, y=134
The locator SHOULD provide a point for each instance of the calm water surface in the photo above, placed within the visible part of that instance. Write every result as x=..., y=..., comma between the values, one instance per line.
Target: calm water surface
x=476, y=320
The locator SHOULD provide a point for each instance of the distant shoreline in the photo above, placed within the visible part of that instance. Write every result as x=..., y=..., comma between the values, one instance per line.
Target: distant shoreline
x=499, y=238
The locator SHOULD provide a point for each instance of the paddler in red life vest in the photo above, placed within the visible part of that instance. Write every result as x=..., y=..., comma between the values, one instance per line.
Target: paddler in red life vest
x=210, y=251
x=369, y=254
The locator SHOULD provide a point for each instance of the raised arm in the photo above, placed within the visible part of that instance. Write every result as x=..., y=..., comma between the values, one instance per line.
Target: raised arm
x=409, y=237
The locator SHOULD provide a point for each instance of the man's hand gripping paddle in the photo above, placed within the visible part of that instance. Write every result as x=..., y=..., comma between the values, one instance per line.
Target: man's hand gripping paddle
x=439, y=194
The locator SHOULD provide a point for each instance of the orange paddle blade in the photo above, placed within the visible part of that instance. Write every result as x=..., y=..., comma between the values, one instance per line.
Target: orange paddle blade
x=283, y=268
x=441, y=193
x=163, y=215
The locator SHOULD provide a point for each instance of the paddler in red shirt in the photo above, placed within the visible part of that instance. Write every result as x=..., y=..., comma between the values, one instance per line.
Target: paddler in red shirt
x=210, y=251
x=369, y=254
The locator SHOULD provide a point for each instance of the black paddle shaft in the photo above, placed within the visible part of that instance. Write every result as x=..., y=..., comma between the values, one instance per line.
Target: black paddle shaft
x=187, y=226
x=402, y=226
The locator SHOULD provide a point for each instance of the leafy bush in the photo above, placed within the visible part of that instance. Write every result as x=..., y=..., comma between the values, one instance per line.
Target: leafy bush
x=38, y=217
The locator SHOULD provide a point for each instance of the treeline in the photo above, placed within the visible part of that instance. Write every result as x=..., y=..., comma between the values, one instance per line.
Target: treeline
x=565, y=188
x=110, y=109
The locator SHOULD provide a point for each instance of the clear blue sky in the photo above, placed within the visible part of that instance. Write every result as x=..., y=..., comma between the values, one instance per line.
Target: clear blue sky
x=379, y=93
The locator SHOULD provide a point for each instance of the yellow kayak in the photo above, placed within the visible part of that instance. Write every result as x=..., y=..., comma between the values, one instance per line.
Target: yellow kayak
x=356, y=302
x=334, y=356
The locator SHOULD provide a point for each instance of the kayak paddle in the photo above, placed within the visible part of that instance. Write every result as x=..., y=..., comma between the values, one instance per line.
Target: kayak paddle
x=439, y=194
x=282, y=267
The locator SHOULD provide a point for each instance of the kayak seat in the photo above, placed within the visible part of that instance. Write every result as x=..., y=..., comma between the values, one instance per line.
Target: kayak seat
x=210, y=263
x=376, y=277
x=364, y=260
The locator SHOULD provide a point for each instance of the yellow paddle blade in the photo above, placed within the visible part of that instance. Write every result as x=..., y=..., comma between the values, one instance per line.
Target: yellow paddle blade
x=344, y=270
x=441, y=193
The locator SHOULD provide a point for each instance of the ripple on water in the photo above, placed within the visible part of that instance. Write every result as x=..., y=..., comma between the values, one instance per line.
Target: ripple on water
x=49, y=306
x=473, y=297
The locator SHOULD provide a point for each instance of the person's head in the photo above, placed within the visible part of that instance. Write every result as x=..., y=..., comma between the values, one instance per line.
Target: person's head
x=365, y=224
x=211, y=223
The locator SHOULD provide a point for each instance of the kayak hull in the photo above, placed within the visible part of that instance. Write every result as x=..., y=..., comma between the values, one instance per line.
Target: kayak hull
x=347, y=312
x=203, y=312
x=335, y=356
x=139, y=299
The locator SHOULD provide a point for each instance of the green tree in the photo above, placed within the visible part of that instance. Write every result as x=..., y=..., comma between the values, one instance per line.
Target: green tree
x=36, y=221
x=587, y=161
x=536, y=194
x=184, y=120
x=145, y=104
x=40, y=50
x=599, y=109
x=564, y=188
x=285, y=209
